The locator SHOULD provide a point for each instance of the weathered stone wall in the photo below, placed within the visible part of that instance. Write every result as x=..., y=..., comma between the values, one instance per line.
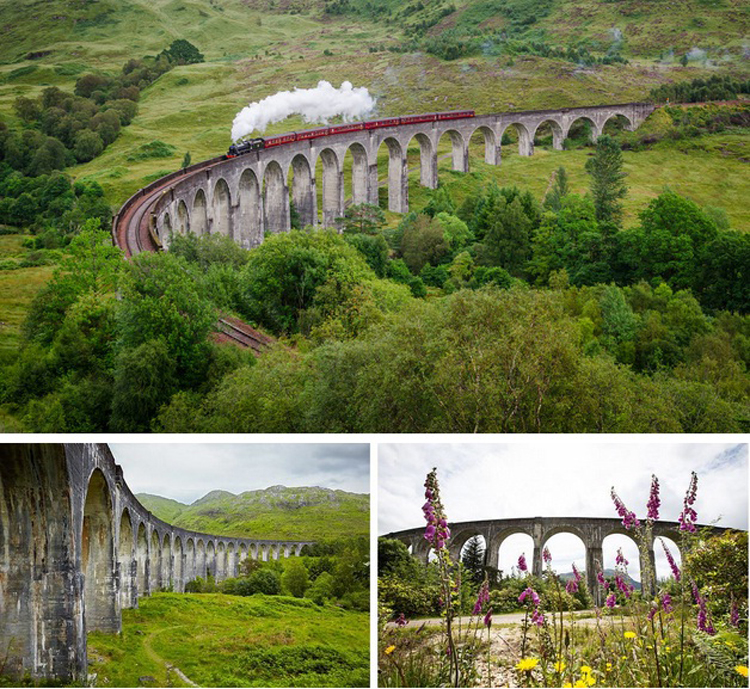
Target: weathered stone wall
x=76, y=547
x=248, y=197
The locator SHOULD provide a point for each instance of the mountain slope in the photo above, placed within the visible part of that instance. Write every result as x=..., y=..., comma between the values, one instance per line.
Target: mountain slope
x=277, y=512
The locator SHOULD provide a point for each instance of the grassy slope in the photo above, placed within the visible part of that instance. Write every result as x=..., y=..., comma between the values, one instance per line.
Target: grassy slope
x=293, y=513
x=227, y=641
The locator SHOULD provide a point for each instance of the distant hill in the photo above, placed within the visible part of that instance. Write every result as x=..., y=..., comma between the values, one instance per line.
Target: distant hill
x=277, y=512
x=608, y=573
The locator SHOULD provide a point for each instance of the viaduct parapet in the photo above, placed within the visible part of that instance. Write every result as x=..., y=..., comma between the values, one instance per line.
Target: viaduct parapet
x=249, y=196
x=76, y=547
x=591, y=530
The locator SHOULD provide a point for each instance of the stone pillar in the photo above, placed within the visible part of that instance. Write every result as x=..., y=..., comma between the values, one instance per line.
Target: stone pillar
x=537, y=562
x=492, y=153
x=304, y=197
x=398, y=181
x=428, y=166
x=594, y=561
x=648, y=572
x=557, y=138
x=372, y=184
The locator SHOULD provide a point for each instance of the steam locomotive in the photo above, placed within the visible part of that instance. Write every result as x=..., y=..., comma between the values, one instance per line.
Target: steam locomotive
x=254, y=144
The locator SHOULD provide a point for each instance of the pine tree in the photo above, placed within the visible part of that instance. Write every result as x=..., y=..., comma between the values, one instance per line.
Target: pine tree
x=607, y=185
x=472, y=559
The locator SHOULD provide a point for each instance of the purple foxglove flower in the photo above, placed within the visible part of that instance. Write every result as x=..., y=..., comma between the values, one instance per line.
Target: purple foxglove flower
x=546, y=555
x=611, y=599
x=600, y=578
x=652, y=611
x=572, y=586
x=653, y=500
x=620, y=559
x=629, y=520
x=522, y=563
x=576, y=573
x=688, y=517
x=670, y=559
x=537, y=617
x=734, y=614
x=401, y=621
x=529, y=592
x=429, y=532
x=488, y=618
x=666, y=603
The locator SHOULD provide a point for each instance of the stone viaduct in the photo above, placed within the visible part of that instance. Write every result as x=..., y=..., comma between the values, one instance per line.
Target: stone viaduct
x=76, y=547
x=591, y=530
x=249, y=196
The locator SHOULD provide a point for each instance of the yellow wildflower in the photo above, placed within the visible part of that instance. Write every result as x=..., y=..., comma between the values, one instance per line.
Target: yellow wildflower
x=390, y=650
x=742, y=669
x=527, y=664
x=609, y=667
x=567, y=685
x=559, y=666
x=629, y=635
x=585, y=670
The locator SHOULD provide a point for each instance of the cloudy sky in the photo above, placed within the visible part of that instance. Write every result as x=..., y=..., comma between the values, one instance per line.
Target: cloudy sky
x=186, y=472
x=562, y=478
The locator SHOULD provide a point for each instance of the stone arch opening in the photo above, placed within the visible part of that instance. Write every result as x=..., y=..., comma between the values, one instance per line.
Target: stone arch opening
x=142, y=561
x=566, y=548
x=34, y=494
x=200, y=213
x=190, y=563
x=200, y=560
x=275, y=199
x=510, y=550
x=303, y=192
x=549, y=134
x=332, y=184
x=474, y=556
x=253, y=551
x=166, y=228
x=662, y=566
x=210, y=560
x=182, y=223
x=616, y=124
x=264, y=551
x=517, y=132
x=458, y=149
x=154, y=562
x=166, y=562
x=397, y=175
x=221, y=562
x=580, y=132
x=249, y=227
x=178, y=581
x=98, y=557
x=126, y=558
x=483, y=145
x=231, y=562
x=222, y=204
x=356, y=161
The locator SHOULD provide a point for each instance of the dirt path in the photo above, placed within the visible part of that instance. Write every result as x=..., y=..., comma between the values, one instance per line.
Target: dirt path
x=153, y=655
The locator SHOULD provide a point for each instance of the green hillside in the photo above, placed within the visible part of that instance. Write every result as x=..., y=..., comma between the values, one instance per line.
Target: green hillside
x=276, y=512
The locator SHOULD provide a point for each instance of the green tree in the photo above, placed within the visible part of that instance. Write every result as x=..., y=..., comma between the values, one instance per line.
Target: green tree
x=472, y=558
x=295, y=579
x=560, y=189
x=183, y=52
x=362, y=218
x=186, y=160
x=423, y=242
x=88, y=145
x=607, y=180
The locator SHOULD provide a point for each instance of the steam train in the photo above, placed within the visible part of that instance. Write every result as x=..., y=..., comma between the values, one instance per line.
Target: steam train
x=254, y=144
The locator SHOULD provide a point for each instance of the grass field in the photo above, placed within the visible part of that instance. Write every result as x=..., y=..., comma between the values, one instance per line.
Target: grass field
x=214, y=640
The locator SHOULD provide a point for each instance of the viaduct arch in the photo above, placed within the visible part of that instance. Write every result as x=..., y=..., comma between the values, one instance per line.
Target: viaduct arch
x=248, y=197
x=591, y=530
x=76, y=547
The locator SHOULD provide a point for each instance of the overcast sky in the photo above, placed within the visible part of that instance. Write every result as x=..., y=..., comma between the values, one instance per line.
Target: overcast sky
x=187, y=471
x=481, y=481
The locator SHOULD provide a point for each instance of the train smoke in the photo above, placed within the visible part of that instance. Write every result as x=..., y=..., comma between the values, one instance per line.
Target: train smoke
x=315, y=105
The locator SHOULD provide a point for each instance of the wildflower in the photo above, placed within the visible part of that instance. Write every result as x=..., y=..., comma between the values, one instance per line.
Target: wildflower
x=704, y=621
x=620, y=559
x=559, y=666
x=585, y=670
x=666, y=602
x=537, y=618
x=610, y=602
x=437, y=531
x=734, y=614
x=629, y=635
x=567, y=684
x=653, y=500
x=546, y=555
x=670, y=559
x=389, y=650
x=600, y=578
x=629, y=520
x=401, y=621
x=482, y=598
x=527, y=664
x=742, y=669
x=652, y=612
x=488, y=618
x=688, y=516
x=625, y=588
x=529, y=592
x=609, y=667
x=571, y=587
x=522, y=563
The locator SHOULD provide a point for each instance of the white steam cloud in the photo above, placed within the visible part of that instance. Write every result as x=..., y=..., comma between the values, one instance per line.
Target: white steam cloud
x=315, y=105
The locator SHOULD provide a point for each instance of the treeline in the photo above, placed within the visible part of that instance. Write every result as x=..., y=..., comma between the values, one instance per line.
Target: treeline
x=715, y=87
x=62, y=128
x=334, y=572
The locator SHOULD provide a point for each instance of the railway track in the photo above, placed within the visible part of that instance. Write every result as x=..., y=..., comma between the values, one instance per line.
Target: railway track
x=241, y=334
